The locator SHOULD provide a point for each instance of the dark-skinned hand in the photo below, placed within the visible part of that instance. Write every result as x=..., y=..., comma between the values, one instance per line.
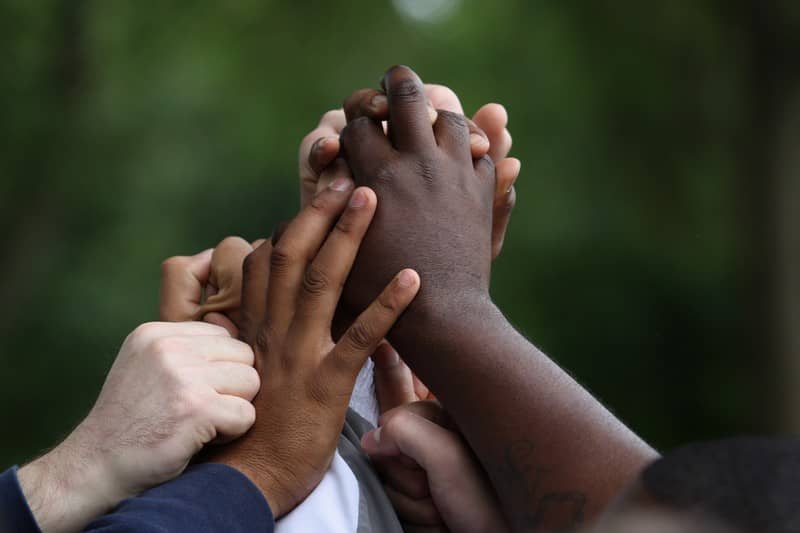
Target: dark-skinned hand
x=436, y=213
x=289, y=294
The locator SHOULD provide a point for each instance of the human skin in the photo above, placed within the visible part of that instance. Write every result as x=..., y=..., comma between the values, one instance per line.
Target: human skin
x=290, y=292
x=172, y=389
x=319, y=160
x=554, y=454
x=206, y=286
x=322, y=146
x=217, y=272
x=431, y=476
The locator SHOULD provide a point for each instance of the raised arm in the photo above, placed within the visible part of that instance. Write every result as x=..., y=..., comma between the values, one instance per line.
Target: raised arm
x=555, y=455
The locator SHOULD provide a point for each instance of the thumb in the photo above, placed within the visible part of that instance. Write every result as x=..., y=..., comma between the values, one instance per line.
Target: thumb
x=421, y=440
x=226, y=276
x=394, y=382
x=458, y=486
x=182, y=282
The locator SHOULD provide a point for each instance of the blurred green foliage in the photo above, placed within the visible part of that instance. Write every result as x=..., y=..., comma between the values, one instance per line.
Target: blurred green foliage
x=133, y=131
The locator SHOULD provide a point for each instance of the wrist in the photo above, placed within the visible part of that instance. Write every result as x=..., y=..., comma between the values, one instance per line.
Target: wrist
x=68, y=487
x=260, y=475
x=442, y=318
x=441, y=339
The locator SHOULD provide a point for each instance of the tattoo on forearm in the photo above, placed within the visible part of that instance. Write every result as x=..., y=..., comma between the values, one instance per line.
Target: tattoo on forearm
x=521, y=479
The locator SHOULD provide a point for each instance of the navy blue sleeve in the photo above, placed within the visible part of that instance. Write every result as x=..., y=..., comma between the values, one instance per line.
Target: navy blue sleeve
x=206, y=498
x=15, y=515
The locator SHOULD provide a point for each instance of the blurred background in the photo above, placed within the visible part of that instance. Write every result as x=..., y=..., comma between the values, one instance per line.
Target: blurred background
x=654, y=251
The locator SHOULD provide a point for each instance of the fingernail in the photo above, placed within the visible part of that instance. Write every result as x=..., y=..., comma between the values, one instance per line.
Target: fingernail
x=477, y=140
x=379, y=101
x=358, y=200
x=376, y=435
x=432, y=114
x=406, y=279
x=341, y=184
x=319, y=144
x=392, y=358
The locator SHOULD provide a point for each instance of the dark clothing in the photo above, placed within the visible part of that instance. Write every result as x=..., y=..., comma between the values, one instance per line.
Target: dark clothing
x=206, y=498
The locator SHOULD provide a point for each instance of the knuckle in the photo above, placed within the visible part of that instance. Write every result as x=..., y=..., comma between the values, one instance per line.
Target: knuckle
x=192, y=403
x=388, y=304
x=261, y=341
x=320, y=203
x=315, y=281
x=426, y=169
x=441, y=93
x=361, y=335
x=232, y=241
x=331, y=117
x=384, y=174
x=142, y=331
x=347, y=222
x=486, y=165
x=407, y=90
x=250, y=264
x=352, y=128
x=453, y=120
x=280, y=257
x=164, y=348
x=309, y=140
x=173, y=264
x=318, y=392
x=398, y=424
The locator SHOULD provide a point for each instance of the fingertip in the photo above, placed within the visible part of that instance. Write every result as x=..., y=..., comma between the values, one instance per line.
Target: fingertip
x=370, y=441
x=507, y=172
x=492, y=118
x=362, y=197
x=408, y=279
x=397, y=71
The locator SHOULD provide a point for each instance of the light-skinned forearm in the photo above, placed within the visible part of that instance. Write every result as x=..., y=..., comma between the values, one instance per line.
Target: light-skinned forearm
x=68, y=486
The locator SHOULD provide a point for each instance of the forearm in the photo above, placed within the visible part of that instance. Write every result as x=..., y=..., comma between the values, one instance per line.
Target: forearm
x=555, y=455
x=68, y=487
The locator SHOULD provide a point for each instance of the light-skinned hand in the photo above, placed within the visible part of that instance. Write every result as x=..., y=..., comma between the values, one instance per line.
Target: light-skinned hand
x=173, y=389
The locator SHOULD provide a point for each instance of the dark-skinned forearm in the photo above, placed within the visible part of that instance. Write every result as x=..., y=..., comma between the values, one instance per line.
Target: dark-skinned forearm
x=555, y=455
